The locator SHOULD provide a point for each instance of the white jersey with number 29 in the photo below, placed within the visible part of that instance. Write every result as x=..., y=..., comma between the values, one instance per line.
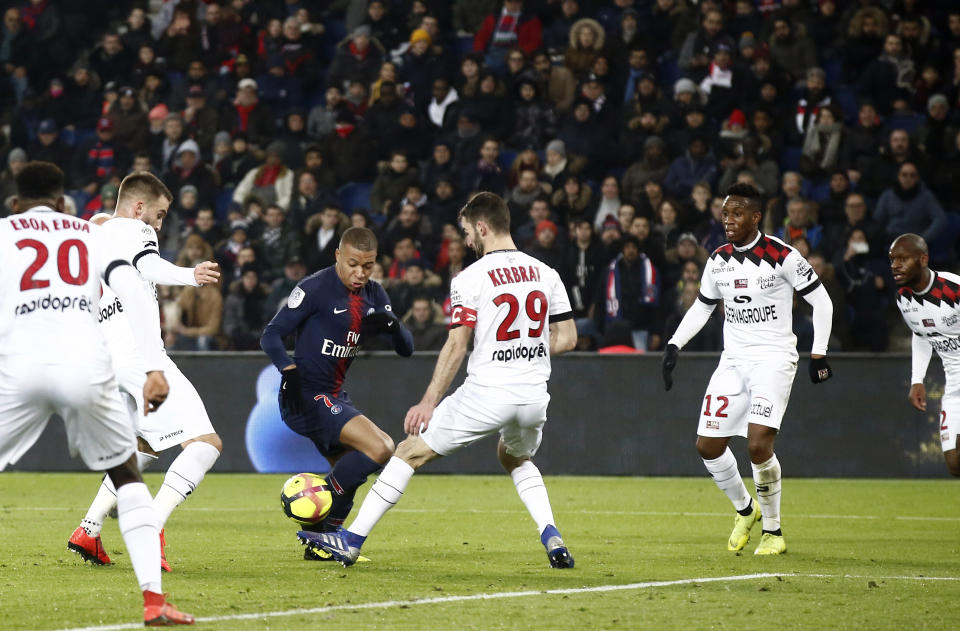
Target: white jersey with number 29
x=509, y=298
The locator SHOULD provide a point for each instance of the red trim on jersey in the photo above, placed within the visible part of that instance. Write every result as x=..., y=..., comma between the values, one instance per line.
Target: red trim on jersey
x=463, y=316
x=355, y=306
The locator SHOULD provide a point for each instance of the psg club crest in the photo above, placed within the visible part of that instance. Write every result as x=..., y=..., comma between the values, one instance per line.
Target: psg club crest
x=334, y=408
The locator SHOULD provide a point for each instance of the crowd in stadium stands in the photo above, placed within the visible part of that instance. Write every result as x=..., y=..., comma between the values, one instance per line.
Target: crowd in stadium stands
x=611, y=127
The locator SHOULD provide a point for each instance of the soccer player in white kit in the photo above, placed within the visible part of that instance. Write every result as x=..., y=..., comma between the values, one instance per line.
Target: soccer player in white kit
x=929, y=302
x=142, y=204
x=518, y=310
x=54, y=359
x=754, y=277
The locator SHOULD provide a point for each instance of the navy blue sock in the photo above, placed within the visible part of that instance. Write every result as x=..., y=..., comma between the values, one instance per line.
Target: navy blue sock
x=347, y=476
x=549, y=531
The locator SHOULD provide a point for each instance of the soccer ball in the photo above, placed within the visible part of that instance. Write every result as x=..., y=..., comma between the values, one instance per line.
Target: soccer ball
x=305, y=498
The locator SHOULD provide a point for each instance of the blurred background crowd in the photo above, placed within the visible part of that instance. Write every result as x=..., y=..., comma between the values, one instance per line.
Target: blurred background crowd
x=612, y=128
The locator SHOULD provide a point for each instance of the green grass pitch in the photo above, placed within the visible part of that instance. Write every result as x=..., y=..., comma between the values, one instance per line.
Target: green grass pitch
x=460, y=552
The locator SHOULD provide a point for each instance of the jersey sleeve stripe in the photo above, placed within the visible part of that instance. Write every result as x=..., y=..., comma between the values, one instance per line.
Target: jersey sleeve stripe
x=143, y=254
x=560, y=317
x=708, y=301
x=806, y=290
x=112, y=266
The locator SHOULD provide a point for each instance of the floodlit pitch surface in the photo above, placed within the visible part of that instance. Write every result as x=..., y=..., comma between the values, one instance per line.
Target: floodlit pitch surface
x=461, y=552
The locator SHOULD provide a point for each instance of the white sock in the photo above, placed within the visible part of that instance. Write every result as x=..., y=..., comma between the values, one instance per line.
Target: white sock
x=183, y=476
x=385, y=492
x=766, y=478
x=138, y=525
x=727, y=477
x=106, y=499
x=533, y=492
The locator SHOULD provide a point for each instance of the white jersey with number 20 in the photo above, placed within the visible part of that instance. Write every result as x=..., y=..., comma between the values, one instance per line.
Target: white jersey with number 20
x=508, y=299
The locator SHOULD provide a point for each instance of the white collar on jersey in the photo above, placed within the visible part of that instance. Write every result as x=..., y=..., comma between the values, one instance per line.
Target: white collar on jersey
x=749, y=245
x=41, y=208
x=933, y=278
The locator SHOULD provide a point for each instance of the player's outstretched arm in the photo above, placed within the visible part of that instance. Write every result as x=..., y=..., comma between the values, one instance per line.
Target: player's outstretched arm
x=448, y=363
x=158, y=270
x=563, y=336
x=922, y=351
x=693, y=320
x=819, y=299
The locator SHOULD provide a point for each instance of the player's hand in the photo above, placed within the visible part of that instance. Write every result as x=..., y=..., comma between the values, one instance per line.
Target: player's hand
x=206, y=273
x=290, y=397
x=820, y=370
x=418, y=418
x=378, y=322
x=155, y=391
x=918, y=396
x=670, y=356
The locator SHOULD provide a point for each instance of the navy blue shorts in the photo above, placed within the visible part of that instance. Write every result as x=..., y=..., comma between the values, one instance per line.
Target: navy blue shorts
x=322, y=420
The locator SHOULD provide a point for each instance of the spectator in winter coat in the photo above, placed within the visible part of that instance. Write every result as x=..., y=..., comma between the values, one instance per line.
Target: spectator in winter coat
x=272, y=182
x=243, y=318
x=697, y=165
x=358, y=58
x=909, y=206
x=511, y=26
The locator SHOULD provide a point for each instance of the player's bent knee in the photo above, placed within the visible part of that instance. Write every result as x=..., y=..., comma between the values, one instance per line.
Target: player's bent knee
x=415, y=452
x=384, y=450
x=710, y=448
x=211, y=439
x=125, y=473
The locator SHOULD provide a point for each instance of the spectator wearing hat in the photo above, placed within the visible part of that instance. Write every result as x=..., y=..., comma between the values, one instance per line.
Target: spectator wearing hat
x=272, y=182
x=419, y=66
x=246, y=114
x=200, y=120
x=696, y=165
x=698, y=47
x=586, y=40
x=534, y=119
x=546, y=246
x=512, y=26
x=674, y=259
x=814, y=96
x=556, y=168
x=936, y=135
x=297, y=54
x=556, y=83
x=358, y=58
x=189, y=168
x=441, y=111
x=221, y=150
x=630, y=291
x=48, y=147
x=98, y=159
x=130, y=124
x=155, y=119
x=349, y=150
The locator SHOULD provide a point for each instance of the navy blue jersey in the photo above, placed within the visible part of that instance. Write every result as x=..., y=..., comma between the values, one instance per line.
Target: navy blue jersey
x=326, y=317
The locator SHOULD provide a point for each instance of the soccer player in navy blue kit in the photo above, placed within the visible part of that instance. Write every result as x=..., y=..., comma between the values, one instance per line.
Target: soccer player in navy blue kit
x=332, y=312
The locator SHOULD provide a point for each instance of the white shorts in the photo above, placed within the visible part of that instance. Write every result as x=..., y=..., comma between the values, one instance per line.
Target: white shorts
x=181, y=417
x=949, y=420
x=469, y=414
x=741, y=393
x=86, y=398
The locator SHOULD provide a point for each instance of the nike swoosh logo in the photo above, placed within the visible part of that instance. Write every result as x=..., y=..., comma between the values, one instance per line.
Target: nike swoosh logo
x=338, y=311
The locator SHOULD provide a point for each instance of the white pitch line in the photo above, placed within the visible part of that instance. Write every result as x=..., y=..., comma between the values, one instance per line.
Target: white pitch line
x=264, y=509
x=386, y=604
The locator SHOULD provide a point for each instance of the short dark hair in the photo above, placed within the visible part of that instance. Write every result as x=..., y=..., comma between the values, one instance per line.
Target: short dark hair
x=143, y=184
x=40, y=180
x=362, y=239
x=490, y=208
x=748, y=191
